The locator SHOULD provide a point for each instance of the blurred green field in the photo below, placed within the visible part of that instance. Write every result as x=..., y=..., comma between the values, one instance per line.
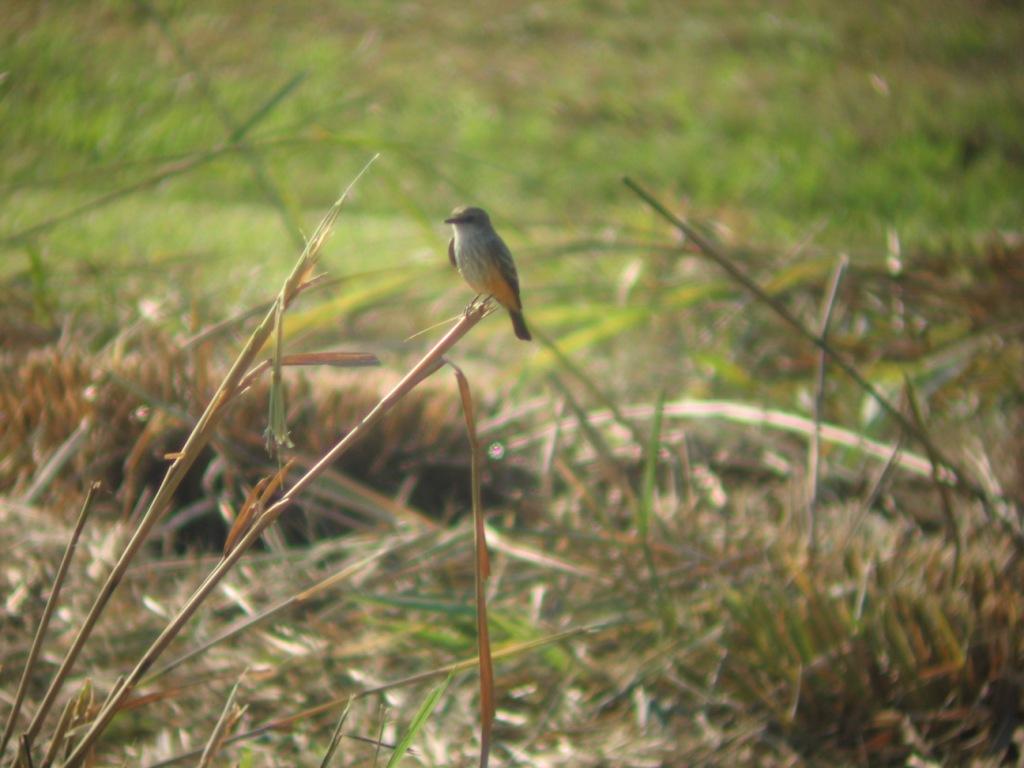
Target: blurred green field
x=649, y=485
x=785, y=122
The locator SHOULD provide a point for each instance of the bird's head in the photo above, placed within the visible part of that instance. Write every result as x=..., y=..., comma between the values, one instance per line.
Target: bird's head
x=468, y=214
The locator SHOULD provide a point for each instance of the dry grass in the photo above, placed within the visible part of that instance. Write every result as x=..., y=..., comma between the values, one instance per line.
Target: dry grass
x=714, y=639
x=673, y=580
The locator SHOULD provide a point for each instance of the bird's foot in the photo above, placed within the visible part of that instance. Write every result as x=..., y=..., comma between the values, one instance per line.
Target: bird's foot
x=478, y=301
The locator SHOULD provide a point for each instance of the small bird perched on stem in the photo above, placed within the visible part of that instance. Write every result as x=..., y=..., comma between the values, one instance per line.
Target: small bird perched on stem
x=485, y=262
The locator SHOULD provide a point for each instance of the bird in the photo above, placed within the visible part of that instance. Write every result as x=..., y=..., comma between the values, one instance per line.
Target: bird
x=485, y=262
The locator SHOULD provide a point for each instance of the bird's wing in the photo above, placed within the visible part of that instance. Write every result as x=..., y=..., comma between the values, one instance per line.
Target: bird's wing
x=508, y=269
x=451, y=252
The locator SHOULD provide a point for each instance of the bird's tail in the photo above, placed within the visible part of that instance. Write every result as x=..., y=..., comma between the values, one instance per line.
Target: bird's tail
x=519, y=325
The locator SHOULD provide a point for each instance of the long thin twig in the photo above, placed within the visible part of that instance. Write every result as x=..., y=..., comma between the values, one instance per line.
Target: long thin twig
x=877, y=489
x=67, y=451
x=44, y=621
x=591, y=386
x=424, y=368
x=609, y=465
x=272, y=610
x=229, y=715
x=961, y=479
x=744, y=413
x=336, y=736
x=952, y=526
x=481, y=573
x=814, y=453
x=194, y=444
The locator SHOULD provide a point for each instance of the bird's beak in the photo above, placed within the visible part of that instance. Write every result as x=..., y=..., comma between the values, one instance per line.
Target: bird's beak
x=452, y=220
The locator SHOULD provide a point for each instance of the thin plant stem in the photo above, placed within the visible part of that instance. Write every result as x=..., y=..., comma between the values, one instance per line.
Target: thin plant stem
x=482, y=571
x=423, y=369
x=952, y=526
x=67, y=450
x=961, y=479
x=201, y=434
x=596, y=392
x=229, y=715
x=336, y=736
x=814, y=453
x=44, y=622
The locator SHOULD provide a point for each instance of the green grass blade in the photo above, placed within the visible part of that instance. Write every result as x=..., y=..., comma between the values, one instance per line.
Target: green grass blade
x=650, y=477
x=426, y=708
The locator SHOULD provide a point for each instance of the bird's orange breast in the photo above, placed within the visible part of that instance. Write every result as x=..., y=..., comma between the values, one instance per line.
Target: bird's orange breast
x=499, y=287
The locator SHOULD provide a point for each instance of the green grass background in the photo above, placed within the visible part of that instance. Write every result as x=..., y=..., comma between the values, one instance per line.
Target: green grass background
x=783, y=121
